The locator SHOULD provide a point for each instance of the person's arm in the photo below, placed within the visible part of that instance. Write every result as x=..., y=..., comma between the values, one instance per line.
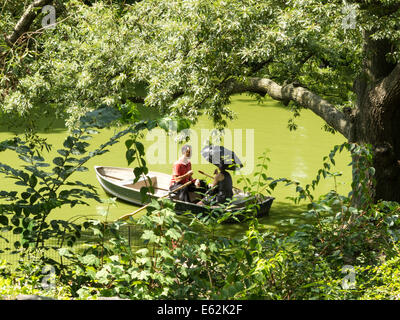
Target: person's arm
x=178, y=172
x=218, y=177
x=180, y=178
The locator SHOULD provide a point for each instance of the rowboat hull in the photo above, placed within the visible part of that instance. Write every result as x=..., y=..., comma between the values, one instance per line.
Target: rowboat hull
x=118, y=182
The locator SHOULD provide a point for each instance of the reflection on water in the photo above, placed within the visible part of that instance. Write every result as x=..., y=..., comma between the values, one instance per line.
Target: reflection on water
x=300, y=169
x=300, y=139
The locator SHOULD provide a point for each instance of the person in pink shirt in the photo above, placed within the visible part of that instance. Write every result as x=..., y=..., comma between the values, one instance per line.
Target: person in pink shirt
x=182, y=173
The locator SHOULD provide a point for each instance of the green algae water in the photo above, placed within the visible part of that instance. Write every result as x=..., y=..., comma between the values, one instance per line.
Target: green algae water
x=296, y=155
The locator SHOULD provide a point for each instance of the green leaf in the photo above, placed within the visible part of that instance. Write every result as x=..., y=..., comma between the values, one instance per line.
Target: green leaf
x=137, y=172
x=25, y=195
x=63, y=152
x=15, y=221
x=130, y=155
x=90, y=260
x=371, y=171
x=25, y=158
x=129, y=143
x=64, y=252
x=69, y=142
x=32, y=181
x=140, y=148
x=149, y=235
x=97, y=232
x=4, y=220
x=173, y=233
x=58, y=161
x=183, y=124
x=17, y=230
x=81, y=169
x=167, y=124
x=102, y=275
x=143, y=251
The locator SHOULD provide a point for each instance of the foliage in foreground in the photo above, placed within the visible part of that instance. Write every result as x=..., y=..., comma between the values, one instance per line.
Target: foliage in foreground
x=181, y=261
x=345, y=252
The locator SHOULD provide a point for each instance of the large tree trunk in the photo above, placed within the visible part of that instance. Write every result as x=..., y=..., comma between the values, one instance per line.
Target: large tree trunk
x=377, y=117
x=386, y=152
x=374, y=121
x=379, y=126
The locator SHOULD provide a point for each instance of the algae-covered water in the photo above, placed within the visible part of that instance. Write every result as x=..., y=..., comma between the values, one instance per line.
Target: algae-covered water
x=259, y=127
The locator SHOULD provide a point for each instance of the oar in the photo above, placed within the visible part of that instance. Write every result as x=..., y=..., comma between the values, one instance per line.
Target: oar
x=116, y=178
x=207, y=175
x=105, y=175
x=140, y=209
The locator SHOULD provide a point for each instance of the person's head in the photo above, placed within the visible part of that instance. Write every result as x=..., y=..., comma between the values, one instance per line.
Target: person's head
x=222, y=167
x=187, y=150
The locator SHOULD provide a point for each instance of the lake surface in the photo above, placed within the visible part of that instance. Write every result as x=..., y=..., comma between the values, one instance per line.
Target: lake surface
x=295, y=155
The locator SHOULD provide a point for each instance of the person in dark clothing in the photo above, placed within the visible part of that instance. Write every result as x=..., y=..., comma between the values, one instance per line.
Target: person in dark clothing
x=221, y=187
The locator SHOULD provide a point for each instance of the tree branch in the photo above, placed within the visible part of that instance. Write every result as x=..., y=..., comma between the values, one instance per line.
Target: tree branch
x=387, y=91
x=25, y=21
x=338, y=120
x=302, y=96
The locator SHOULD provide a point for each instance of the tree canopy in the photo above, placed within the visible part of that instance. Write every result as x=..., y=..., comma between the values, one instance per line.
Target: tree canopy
x=187, y=58
x=190, y=56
